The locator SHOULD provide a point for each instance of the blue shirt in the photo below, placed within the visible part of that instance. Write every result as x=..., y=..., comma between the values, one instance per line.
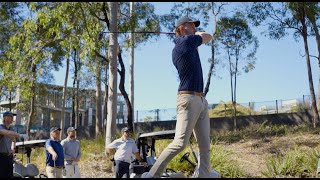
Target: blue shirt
x=185, y=58
x=57, y=147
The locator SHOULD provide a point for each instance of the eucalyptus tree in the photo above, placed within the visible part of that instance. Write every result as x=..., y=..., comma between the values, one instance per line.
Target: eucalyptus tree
x=10, y=23
x=112, y=91
x=240, y=46
x=60, y=23
x=313, y=15
x=279, y=18
x=33, y=55
x=143, y=20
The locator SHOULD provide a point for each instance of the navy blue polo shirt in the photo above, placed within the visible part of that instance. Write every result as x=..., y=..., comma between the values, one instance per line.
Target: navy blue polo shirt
x=57, y=147
x=185, y=58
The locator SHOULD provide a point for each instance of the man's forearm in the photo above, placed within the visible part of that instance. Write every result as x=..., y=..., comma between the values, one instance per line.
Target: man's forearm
x=206, y=37
x=110, y=151
x=51, y=151
x=9, y=133
x=138, y=156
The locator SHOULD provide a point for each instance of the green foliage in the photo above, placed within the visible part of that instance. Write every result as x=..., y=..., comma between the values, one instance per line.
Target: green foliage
x=144, y=19
x=295, y=163
x=226, y=109
x=222, y=162
x=256, y=131
x=235, y=36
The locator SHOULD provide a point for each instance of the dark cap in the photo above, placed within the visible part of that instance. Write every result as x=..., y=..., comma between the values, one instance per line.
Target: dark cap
x=71, y=129
x=125, y=129
x=186, y=19
x=54, y=129
x=8, y=113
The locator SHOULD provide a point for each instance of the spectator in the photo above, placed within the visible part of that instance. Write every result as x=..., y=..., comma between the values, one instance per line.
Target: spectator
x=54, y=154
x=7, y=145
x=72, y=153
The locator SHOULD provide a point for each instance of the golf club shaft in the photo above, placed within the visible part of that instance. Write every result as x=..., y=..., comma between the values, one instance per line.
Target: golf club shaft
x=194, y=154
x=143, y=32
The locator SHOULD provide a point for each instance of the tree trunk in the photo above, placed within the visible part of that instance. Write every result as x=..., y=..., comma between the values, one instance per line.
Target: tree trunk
x=74, y=89
x=33, y=96
x=232, y=97
x=124, y=93
x=316, y=31
x=98, y=98
x=105, y=112
x=312, y=95
x=235, y=89
x=62, y=123
x=131, y=78
x=206, y=89
x=77, y=99
x=112, y=90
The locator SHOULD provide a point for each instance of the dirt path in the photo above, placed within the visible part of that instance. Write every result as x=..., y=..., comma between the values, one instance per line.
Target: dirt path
x=252, y=154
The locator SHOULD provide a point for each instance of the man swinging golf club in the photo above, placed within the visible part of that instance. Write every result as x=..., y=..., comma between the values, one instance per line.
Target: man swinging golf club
x=192, y=106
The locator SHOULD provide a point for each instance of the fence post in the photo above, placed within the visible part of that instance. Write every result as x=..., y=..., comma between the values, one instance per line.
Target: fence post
x=225, y=110
x=249, y=109
x=137, y=116
x=277, y=106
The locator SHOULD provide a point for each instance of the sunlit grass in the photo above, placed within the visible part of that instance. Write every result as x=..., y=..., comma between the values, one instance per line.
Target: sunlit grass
x=295, y=163
x=301, y=161
x=220, y=160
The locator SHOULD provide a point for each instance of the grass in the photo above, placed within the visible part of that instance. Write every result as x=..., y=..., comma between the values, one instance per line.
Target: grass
x=257, y=131
x=296, y=163
x=220, y=160
x=299, y=161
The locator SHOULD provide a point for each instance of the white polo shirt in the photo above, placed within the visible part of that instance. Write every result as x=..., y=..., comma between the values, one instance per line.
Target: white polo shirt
x=125, y=149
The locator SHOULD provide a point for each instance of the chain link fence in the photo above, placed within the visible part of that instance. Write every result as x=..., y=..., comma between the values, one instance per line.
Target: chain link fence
x=226, y=109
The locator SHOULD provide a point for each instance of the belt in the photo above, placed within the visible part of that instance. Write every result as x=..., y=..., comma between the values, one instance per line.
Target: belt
x=122, y=161
x=191, y=92
x=59, y=167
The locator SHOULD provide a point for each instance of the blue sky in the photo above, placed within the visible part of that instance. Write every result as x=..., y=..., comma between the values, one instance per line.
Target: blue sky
x=280, y=72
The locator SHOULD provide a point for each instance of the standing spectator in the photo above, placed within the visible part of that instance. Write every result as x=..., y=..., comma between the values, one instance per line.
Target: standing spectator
x=123, y=148
x=54, y=154
x=7, y=145
x=72, y=153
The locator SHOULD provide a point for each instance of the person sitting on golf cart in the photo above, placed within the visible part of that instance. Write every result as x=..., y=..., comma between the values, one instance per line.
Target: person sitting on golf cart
x=122, y=149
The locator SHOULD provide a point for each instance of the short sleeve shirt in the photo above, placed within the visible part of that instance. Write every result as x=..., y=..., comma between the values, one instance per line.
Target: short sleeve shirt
x=185, y=58
x=57, y=147
x=6, y=141
x=125, y=149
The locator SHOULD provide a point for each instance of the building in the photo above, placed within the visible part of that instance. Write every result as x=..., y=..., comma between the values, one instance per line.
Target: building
x=49, y=107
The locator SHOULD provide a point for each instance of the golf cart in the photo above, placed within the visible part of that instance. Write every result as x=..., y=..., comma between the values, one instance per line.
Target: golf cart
x=146, y=145
x=29, y=170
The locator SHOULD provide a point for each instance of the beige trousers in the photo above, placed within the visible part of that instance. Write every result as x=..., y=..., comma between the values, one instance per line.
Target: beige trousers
x=54, y=172
x=192, y=116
